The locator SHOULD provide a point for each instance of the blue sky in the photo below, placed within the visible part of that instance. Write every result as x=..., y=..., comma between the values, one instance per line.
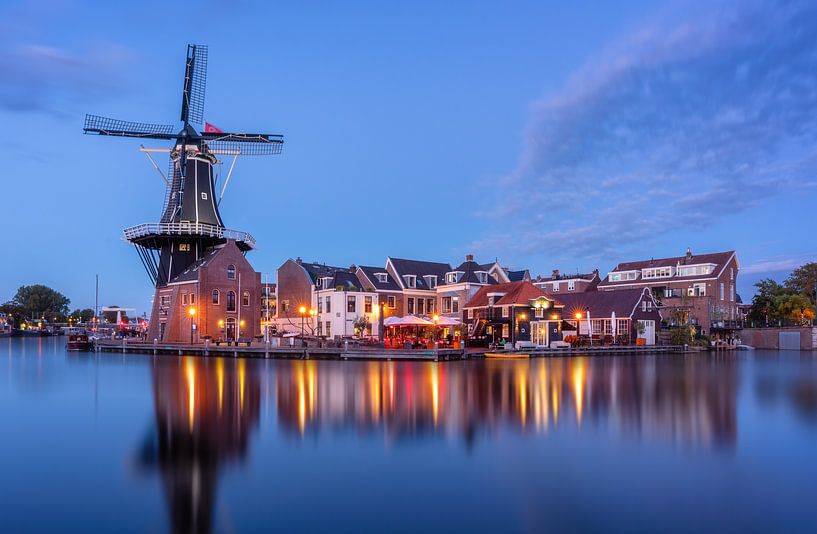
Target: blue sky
x=547, y=135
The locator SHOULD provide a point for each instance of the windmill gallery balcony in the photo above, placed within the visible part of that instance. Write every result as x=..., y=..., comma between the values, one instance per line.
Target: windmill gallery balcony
x=147, y=231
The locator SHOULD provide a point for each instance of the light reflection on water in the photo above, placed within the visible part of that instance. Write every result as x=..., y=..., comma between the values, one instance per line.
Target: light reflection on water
x=233, y=440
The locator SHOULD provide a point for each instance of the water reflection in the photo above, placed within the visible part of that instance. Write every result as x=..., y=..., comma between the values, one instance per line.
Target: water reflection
x=205, y=410
x=689, y=400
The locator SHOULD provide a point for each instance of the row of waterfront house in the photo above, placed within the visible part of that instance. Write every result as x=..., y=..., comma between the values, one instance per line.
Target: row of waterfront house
x=221, y=296
x=488, y=302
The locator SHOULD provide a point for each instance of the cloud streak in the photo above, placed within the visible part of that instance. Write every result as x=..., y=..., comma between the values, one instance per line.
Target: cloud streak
x=680, y=125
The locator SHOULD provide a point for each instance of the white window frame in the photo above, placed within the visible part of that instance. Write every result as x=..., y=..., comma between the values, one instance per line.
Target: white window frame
x=571, y=285
x=555, y=286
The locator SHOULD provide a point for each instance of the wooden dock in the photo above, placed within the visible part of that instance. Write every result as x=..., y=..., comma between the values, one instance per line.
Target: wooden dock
x=264, y=350
x=350, y=352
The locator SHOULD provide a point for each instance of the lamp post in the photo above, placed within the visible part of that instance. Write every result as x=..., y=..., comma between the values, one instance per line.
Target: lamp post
x=436, y=318
x=191, y=311
x=302, y=311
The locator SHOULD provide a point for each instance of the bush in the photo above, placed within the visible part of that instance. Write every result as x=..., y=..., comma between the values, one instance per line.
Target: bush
x=681, y=335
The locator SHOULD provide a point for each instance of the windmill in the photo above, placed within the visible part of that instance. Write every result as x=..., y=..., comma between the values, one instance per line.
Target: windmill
x=190, y=223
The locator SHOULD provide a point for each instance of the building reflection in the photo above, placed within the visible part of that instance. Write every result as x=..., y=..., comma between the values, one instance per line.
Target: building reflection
x=205, y=410
x=692, y=402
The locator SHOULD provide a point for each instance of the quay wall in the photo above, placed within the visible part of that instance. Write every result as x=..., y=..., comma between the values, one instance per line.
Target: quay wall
x=769, y=338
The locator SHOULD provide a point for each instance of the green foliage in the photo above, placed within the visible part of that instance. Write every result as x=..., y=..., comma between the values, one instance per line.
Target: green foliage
x=803, y=281
x=361, y=324
x=681, y=335
x=791, y=301
x=83, y=316
x=38, y=301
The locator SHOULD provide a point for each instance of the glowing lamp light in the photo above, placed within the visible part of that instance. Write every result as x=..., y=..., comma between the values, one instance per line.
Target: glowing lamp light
x=523, y=316
x=191, y=311
x=221, y=323
x=241, y=323
x=312, y=312
x=302, y=310
x=554, y=316
x=578, y=315
x=436, y=317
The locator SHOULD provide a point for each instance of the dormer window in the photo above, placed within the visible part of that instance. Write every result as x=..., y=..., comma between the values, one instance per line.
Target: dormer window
x=450, y=278
x=382, y=277
x=431, y=281
x=482, y=276
x=410, y=280
x=324, y=282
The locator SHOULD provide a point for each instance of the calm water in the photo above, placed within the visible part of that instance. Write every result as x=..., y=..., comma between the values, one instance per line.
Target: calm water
x=154, y=444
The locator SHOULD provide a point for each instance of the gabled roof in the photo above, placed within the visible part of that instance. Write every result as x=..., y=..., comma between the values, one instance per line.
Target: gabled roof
x=719, y=259
x=317, y=270
x=520, y=293
x=602, y=304
x=518, y=276
x=420, y=269
x=389, y=285
x=466, y=273
x=191, y=274
x=345, y=279
x=567, y=276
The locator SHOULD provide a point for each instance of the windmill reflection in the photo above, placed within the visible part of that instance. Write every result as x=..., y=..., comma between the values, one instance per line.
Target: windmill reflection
x=205, y=412
x=691, y=402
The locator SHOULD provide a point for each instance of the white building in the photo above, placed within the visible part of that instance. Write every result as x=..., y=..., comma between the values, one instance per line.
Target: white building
x=344, y=308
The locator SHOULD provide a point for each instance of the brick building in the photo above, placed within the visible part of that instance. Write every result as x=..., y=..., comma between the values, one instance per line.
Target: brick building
x=217, y=296
x=561, y=283
x=691, y=289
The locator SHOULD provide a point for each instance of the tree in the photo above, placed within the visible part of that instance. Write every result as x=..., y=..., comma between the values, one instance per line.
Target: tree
x=82, y=316
x=361, y=325
x=39, y=301
x=793, y=307
x=803, y=280
x=763, y=306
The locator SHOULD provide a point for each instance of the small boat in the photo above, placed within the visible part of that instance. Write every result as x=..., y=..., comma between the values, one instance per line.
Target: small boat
x=745, y=347
x=79, y=342
x=507, y=355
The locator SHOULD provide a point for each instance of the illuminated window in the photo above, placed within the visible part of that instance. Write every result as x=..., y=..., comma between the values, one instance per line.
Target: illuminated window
x=351, y=304
x=367, y=304
x=245, y=299
x=184, y=247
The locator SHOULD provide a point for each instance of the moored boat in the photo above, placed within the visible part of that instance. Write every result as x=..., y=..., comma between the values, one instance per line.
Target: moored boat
x=79, y=342
x=507, y=355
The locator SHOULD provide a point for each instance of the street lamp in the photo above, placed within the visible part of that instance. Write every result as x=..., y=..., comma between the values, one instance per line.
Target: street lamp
x=302, y=311
x=191, y=311
x=436, y=318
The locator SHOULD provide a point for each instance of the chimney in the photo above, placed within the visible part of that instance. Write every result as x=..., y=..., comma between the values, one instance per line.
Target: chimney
x=469, y=257
x=298, y=260
x=353, y=268
x=555, y=273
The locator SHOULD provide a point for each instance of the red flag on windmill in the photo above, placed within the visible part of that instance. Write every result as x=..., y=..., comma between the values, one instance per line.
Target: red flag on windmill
x=211, y=128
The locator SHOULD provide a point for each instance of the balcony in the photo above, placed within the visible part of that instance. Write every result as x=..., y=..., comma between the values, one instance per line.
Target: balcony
x=142, y=233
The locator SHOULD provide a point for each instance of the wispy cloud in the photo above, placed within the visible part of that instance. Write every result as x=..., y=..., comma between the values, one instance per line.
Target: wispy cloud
x=776, y=265
x=678, y=126
x=38, y=75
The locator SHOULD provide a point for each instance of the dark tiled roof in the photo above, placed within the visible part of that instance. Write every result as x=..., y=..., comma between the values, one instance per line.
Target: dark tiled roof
x=347, y=280
x=467, y=273
x=566, y=276
x=517, y=276
x=420, y=269
x=389, y=285
x=514, y=293
x=601, y=304
x=191, y=274
x=320, y=270
x=717, y=258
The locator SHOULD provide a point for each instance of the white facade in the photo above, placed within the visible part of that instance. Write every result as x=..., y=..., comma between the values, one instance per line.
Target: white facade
x=337, y=312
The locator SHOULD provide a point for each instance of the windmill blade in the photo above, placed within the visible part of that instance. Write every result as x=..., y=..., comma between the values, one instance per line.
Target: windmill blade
x=195, y=81
x=105, y=126
x=245, y=144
